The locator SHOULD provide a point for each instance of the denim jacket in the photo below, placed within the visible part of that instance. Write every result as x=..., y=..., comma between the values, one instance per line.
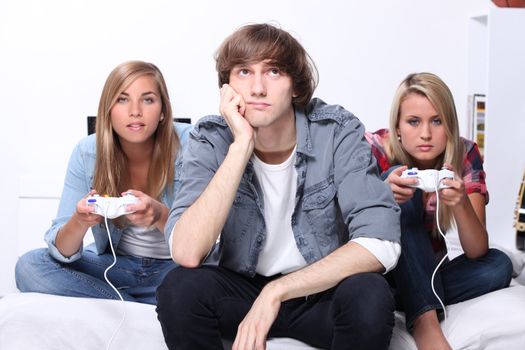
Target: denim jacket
x=78, y=182
x=339, y=194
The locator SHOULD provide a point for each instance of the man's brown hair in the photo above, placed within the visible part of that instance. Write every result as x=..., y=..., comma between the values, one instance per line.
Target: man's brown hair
x=259, y=42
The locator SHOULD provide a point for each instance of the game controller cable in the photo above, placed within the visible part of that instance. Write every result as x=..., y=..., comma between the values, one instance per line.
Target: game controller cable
x=430, y=181
x=442, y=259
x=108, y=345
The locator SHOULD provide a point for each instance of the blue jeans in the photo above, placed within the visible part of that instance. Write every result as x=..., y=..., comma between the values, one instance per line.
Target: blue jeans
x=457, y=280
x=197, y=307
x=135, y=278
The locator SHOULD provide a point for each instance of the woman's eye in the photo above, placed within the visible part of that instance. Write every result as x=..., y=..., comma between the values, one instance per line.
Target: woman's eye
x=436, y=121
x=122, y=99
x=413, y=122
x=148, y=100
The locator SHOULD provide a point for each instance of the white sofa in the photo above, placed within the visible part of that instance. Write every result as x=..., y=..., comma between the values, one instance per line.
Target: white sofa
x=29, y=321
x=37, y=321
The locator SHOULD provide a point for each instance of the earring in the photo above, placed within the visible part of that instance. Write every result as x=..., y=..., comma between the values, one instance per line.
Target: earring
x=161, y=116
x=399, y=138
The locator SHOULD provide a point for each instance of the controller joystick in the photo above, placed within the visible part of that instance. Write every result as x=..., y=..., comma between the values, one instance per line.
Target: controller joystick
x=111, y=207
x=428, y=179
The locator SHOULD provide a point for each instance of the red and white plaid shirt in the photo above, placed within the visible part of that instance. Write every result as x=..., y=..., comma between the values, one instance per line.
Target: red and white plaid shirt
x=473, y=174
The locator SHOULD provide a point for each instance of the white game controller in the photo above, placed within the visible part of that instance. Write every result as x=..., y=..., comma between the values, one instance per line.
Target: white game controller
x=428, y=180
x=111, y=207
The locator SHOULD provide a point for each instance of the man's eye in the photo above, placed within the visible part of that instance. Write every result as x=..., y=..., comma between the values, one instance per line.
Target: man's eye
x=243, y=72
x=275, y=71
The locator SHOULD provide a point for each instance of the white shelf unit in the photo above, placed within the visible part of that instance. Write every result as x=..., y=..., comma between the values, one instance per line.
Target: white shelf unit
x=497, y=69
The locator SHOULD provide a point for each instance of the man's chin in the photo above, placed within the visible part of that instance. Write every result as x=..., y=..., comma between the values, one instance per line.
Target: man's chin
x=255, y=121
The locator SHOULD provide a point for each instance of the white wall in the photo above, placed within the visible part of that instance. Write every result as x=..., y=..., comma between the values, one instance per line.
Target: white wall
x=56, y=54
x=505, y=119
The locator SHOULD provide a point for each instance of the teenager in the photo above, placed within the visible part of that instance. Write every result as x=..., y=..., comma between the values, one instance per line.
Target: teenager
x=424, y=134
x=289, y=187
x=134, y=151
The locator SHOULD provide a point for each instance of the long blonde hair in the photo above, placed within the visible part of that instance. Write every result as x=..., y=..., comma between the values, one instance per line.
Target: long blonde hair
x=111, y=173
x=437, y=92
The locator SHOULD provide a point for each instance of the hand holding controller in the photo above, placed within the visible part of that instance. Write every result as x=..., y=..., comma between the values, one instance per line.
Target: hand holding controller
x=111, y=207
x=428, y=180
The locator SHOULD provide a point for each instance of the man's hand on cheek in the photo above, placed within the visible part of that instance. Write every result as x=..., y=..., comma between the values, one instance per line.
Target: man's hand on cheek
x=232, y=108
x=232, y=103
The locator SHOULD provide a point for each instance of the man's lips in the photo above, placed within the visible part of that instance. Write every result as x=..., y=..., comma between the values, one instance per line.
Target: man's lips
x=258, y=105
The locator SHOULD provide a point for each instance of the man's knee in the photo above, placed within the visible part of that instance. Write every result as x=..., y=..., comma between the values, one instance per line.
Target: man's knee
x=182, y=288
x=364, y=311
x=366, y=296
x=177, y=284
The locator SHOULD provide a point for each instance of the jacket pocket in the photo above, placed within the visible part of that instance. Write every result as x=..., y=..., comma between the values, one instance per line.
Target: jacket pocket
x=321, y=195
x=320, y=207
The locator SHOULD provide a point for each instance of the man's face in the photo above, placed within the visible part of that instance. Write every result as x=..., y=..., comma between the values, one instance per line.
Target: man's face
x=266, y=91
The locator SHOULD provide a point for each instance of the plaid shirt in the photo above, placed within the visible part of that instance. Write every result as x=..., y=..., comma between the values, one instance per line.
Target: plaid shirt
x=473, y=175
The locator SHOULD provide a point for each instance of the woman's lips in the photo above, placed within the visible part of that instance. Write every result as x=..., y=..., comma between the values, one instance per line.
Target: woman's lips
x=135, y=126
x=425, y=148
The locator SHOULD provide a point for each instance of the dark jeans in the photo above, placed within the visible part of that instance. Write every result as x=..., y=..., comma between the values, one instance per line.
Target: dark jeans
x=198, y=307
x=457, y=280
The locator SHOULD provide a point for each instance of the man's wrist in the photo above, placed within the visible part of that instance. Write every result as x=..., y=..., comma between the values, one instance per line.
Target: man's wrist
x=275, y=291
x=243, y=147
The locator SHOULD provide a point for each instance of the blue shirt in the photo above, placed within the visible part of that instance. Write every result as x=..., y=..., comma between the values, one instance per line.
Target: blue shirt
x=339, y=193
x=78, y=182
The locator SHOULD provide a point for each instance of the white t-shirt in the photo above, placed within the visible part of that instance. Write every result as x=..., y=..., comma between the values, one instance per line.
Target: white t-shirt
x=279, y=186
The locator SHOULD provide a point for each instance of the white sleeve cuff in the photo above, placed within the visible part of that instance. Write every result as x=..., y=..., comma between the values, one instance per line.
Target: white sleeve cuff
x=386, y=252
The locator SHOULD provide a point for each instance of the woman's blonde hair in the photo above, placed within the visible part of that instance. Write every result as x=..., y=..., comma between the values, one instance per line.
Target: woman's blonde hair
x=437, y=92
x=111, y=171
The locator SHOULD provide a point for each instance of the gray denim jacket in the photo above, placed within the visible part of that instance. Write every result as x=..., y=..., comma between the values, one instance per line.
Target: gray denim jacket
x=339, y=194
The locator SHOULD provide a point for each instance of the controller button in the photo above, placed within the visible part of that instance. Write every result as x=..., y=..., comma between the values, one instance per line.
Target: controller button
x=92, y=200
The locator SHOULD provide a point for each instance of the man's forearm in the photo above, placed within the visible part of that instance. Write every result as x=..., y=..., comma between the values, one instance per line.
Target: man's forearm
x=326, y=273
x=198, y=228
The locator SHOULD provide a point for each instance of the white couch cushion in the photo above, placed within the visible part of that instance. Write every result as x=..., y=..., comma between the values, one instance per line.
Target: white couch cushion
x=37, y=321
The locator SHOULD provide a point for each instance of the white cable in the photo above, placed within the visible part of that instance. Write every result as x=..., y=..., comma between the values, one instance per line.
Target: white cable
x=446, y=254
x=108, y=346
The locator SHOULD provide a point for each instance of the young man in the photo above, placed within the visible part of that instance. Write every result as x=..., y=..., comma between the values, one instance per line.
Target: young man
x=289, y=188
